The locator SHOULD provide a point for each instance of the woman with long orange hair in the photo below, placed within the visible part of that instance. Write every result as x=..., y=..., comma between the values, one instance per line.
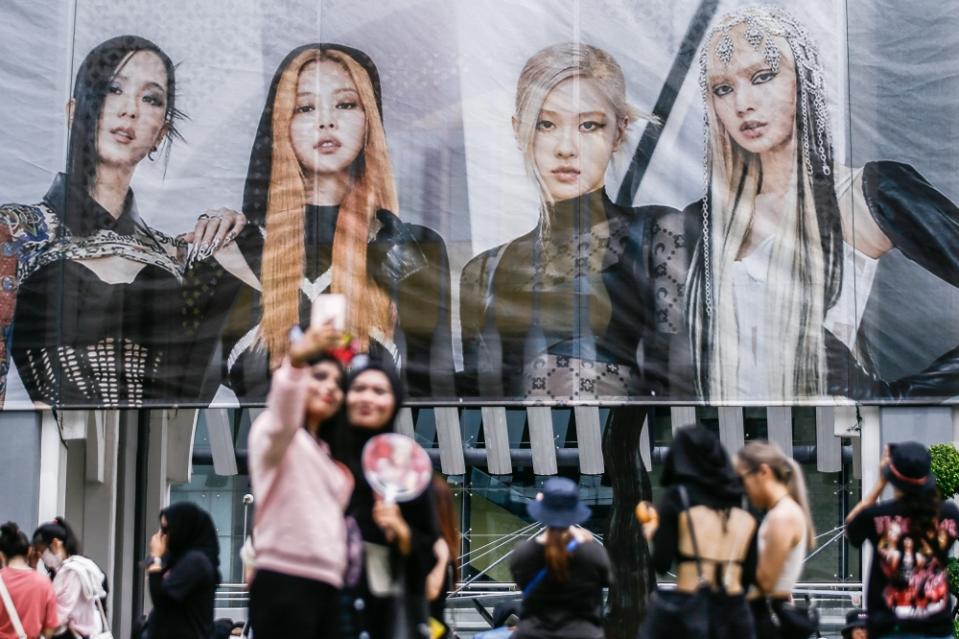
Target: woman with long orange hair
x=321, y=200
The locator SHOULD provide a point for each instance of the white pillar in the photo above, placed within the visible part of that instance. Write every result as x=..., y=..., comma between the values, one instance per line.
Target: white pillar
x=871, y=447
x=51, y=500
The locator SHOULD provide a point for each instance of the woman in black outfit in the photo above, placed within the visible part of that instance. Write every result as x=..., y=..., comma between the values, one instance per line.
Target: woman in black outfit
x=183, y=574
x=87, y=284
x=398, y=539
x=561, y=311
x=321, y=197
x=703, y=496
x=88, y=289
x=562, y=571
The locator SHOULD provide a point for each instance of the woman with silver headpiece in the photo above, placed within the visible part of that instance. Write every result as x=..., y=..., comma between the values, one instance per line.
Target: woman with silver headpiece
x=781, y=276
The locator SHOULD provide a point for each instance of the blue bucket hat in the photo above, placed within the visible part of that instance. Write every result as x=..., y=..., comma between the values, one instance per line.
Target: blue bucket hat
x=560, y=506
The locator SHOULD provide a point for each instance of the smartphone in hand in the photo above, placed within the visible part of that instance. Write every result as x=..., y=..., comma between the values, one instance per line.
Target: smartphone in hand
x=329, y=308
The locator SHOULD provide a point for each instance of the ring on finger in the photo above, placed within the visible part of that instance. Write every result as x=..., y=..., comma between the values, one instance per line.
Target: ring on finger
x=203, y=216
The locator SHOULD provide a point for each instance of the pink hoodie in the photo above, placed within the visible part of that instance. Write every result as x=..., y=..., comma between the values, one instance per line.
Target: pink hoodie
x=300, y=491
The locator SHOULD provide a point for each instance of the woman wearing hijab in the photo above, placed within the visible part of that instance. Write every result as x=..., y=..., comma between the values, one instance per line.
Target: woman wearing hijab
x=700, y=525
x=183, y=573
x=398, y=539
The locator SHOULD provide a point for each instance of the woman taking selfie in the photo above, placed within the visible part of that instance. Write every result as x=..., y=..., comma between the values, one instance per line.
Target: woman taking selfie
x=300, y=492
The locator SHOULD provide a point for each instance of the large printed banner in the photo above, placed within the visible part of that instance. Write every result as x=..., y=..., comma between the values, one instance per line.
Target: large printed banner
x=539, y=201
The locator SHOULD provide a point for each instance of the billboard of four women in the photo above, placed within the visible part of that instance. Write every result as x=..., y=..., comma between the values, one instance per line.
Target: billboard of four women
x=535, y=202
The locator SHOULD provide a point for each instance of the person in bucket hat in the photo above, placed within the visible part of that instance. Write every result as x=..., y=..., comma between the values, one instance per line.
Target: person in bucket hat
x=856, y=624
x=562, y=570
x=912, y=535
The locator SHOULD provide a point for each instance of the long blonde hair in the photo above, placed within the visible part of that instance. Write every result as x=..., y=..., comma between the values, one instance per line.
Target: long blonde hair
x=545, y=70
x=805, y=263
x=284, y=257
x=786, y=471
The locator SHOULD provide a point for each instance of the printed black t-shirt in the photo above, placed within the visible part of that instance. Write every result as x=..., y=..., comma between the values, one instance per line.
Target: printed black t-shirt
x=908, y=584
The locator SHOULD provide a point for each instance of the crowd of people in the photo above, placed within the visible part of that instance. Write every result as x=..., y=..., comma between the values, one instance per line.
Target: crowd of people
x=330, y=556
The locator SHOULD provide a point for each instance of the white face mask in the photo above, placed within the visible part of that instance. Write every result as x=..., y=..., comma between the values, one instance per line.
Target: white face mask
x=51, y=561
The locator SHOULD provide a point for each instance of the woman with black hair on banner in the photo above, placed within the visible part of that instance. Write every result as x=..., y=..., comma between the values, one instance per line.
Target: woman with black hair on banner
x=912, y=536
x=560, y=312
x=562, y=571
x=701, y=527
x=78, y=583
x=30, y=594
x=301, y=493
x=183, y=573
x=87, y=284
x=783, y=271
x=322, y=200
x=398, y=539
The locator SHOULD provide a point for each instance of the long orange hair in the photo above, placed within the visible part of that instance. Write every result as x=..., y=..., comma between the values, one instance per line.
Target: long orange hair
x=373, y=187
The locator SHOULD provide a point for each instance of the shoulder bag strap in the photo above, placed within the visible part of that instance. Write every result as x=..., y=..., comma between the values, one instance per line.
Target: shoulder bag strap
x=103, y=616
x=11, y=611
x=541, y=575
x=684, y=496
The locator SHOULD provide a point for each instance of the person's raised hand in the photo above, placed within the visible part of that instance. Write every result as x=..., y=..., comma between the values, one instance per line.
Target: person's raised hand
x=316, y=340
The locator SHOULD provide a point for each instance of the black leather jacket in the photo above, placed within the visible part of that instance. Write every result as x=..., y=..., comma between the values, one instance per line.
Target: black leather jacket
x=408, y=261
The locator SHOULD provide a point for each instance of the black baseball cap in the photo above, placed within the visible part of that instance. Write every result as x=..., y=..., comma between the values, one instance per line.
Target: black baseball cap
x=910, y=468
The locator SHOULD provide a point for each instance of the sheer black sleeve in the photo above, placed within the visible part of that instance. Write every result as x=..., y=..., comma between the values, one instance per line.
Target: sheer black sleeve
x=665, y=348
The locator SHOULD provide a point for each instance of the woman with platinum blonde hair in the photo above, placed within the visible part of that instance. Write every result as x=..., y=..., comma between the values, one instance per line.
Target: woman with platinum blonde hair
x=782, y=275
x=560, y=312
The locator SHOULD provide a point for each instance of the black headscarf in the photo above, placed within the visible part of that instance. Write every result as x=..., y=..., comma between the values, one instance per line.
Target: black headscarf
x=350, y=449
x=259, y=173
x=361, y=504
x=189, y=527
x=698, y=460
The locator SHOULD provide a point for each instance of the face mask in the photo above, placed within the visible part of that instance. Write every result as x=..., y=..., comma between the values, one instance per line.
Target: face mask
x=51, y=561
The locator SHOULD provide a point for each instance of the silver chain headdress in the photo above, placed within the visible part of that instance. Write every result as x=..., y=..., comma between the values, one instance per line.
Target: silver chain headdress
x=762, y=25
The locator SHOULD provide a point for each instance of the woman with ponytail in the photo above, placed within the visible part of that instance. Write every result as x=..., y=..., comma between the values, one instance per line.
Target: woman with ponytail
x=912, y=536
x=30, y=593
x=562, y=571
x=774, y=483
x=77, y=581
x=321, y=198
